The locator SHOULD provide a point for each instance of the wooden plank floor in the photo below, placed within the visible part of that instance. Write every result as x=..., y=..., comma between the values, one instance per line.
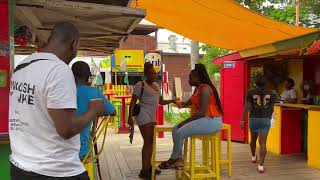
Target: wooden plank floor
x=122, y=160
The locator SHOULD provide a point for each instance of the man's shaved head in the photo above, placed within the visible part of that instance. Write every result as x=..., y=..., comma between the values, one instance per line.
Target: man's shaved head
x=64, y=41
x=64, y=33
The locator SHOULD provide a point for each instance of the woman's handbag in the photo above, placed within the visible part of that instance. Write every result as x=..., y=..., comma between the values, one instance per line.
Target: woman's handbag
x=136, y=108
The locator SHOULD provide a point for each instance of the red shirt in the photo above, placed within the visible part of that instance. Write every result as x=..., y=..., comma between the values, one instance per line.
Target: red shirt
x=212, y=110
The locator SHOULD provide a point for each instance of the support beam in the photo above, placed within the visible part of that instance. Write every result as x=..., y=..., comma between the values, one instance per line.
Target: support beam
x=80, y=21
x=134, y=24
x=59, y=4
x=103, y=18
x=93, y=36
x=31, y=16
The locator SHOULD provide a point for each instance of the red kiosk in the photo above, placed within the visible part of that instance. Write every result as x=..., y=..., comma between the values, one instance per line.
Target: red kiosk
x=296, y=124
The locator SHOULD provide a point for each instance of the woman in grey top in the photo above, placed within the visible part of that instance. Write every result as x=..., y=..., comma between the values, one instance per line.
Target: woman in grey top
x=146, y=118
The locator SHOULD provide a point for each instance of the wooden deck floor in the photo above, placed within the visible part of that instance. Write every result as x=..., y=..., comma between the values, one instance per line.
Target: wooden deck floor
x=121, y=160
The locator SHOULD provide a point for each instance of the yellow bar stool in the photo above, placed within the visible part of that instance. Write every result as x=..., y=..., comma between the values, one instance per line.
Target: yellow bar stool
x=206, y=157
x=90, y=159
x=228, y=161
x=210, y=167
x=154, y=162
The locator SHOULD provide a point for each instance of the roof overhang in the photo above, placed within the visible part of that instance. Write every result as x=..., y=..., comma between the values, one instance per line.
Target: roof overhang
x=293, y=47
x=101, y=26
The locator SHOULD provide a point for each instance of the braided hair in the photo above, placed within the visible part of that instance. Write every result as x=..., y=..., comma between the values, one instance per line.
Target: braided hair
x=205, y=79
x=260, y=83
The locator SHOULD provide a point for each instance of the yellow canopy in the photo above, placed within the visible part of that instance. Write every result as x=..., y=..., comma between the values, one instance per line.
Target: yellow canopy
x=220, y=23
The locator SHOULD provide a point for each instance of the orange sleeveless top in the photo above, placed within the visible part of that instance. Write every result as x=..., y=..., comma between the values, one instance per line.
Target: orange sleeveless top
x=196, y=103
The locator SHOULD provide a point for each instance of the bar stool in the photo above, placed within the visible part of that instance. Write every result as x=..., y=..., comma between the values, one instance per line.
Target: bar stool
x=206, y=157
x=228, y=161
x=154, y=162
x=210, y=167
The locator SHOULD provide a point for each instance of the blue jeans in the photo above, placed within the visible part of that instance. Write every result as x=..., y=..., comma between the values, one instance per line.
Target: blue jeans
x=259, y=125
x=205, y=125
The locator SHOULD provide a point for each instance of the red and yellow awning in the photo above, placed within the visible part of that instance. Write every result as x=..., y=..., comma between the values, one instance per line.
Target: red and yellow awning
x=305, y=45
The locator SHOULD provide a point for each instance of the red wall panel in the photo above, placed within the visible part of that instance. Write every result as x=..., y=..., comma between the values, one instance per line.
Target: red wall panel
x=4, y=65
x=311, y=71
x=233, y=90
x=291, y=138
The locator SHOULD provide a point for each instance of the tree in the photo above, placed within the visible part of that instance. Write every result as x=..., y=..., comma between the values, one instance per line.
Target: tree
x=280, y=10
x=211, y=53
x=284, y=10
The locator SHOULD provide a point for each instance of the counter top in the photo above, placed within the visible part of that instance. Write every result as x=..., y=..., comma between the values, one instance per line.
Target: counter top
x=301, y=106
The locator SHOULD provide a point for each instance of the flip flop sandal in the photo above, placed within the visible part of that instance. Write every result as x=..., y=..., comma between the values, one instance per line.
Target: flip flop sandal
x=165, y=164
x=174, y=165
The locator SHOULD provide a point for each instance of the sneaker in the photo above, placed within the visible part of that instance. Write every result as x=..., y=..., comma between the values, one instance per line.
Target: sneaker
x=254, y=159
x=260, y=169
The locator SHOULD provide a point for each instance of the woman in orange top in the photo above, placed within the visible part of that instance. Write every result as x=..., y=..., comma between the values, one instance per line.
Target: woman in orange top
x=205, y=118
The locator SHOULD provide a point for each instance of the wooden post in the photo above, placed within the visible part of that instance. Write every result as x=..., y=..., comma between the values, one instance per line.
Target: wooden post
x=194, y=56
x=297, y=12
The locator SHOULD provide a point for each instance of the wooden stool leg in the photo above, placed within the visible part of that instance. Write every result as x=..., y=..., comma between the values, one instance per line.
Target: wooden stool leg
x=178, y=174
x=154, y=154
x=213, y=155
x=219, y=149
x=205, y=153
x=229, y=153
x=192, y=158
x=216, y=156
x=185, y=154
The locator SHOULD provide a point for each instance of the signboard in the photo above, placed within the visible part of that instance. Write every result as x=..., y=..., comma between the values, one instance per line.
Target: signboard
x=155, y=59
x=106, y=63
x=129, y=60
x=229, y=65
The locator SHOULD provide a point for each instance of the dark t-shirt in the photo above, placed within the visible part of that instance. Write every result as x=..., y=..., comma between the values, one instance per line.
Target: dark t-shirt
x=262, y=107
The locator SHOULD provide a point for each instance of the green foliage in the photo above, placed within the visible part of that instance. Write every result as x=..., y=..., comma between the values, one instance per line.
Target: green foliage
x=285, y=10
x=280, y=10
x=253, y=75
x=211, y=53
x=175, y=118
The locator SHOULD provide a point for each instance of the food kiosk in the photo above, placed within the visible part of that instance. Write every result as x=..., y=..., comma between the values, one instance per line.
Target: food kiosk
x=297, y=126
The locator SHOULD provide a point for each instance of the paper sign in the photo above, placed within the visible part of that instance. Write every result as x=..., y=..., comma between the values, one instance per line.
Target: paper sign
x=178, y=88
x=229, y=65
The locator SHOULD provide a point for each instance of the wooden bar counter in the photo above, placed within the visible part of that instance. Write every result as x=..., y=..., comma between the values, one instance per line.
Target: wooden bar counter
x=285, y=136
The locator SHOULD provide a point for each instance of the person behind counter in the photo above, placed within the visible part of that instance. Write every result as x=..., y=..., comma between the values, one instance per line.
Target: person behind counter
x=290, y=94
x=259, y=103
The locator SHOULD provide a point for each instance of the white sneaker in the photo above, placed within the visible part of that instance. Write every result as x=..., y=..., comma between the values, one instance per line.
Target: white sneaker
x=260, y=169
x=254, y=159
